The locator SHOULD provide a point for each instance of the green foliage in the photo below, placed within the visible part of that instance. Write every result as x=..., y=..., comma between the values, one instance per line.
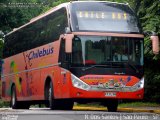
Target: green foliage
x=149, y=14
x=152, y=86
x=138, y=104
x=13, y=16
x=1, y=47
x=3, y=104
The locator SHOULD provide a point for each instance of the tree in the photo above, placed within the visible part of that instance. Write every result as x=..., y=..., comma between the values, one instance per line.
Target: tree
x=16, y=13
x=148, y=12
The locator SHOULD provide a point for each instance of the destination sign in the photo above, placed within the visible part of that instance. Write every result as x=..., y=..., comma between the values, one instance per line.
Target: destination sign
x=102, y=15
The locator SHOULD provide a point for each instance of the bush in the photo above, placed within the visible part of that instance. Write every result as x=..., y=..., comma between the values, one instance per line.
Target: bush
x=152, y=81
x=4, y=104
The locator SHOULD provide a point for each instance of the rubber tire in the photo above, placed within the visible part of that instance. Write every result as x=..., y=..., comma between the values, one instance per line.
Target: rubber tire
x=66, y=104
x=14, y=103
x=23, y=105
x=58, y=104
x=53, y=104
x=112, y=105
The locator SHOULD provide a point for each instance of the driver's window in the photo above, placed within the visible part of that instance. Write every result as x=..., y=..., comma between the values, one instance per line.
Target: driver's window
x=62, y=54
x=77, y=52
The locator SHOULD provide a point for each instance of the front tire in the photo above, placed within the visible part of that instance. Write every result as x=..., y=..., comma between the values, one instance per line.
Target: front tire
x=112, y=105
x=58, y=104
x=53, y=104
x=66, y=104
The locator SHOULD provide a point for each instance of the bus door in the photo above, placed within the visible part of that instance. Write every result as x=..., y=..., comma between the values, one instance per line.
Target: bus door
x=63, y=59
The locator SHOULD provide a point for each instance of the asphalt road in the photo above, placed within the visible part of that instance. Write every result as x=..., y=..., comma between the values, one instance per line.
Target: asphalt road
x=46, y=114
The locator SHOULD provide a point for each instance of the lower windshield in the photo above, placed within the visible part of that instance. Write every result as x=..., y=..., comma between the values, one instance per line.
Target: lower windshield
x=101, y=50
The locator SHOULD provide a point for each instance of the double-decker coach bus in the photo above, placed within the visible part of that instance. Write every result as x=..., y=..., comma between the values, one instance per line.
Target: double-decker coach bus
x=78, y=51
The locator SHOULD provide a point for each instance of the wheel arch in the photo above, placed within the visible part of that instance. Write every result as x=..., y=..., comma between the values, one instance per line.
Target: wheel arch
x=46, y=86
x=11, y=87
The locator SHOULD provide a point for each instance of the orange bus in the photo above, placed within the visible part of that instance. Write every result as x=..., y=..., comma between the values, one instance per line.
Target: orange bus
x=81, y=51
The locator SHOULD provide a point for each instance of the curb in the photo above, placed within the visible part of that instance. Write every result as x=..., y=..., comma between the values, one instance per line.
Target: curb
x=119, y=109
x=89, y=108
x=157, y=111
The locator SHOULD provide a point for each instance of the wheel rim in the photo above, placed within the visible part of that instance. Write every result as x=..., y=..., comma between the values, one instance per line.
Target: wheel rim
x=50, y=96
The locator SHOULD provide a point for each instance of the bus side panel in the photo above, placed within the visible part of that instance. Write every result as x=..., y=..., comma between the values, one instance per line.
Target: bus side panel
x=66, y=84
x=52, y=71
x=54, y=74
x=62, y=83
x=29, y=70
x=13, y=67
x=41, y=62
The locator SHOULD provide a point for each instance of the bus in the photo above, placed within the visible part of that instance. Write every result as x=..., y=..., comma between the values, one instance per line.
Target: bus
x=80, y=51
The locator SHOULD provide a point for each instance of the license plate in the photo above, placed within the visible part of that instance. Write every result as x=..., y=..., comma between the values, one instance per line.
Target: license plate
x=110, y=94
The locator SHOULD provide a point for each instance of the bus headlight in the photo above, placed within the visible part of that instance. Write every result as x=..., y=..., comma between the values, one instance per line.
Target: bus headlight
x=138, y=85
x=79, y=83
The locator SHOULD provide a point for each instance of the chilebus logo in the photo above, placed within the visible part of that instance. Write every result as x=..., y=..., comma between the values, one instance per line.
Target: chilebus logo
x=40, y=53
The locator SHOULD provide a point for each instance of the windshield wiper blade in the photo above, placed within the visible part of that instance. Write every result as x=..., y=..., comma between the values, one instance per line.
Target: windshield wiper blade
x=94, y=66
x=115, y=63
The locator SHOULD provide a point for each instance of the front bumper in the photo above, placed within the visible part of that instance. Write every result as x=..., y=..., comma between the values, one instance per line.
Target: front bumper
x=78, y=93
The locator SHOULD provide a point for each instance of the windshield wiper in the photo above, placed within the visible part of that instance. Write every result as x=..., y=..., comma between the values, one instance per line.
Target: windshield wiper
x=94, y=66
x=131, y=65
x=114, y=63
x=123, y=62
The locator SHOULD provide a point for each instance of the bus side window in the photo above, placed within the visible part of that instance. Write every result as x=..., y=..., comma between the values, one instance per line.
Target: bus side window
x=41, y=32
x=77, y=52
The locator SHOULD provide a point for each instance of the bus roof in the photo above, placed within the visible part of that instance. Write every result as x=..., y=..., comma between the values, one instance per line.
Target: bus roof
x=54, y=9
x=98, y=1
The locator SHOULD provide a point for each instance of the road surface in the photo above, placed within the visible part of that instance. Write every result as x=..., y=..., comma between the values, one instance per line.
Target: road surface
x=46, y=114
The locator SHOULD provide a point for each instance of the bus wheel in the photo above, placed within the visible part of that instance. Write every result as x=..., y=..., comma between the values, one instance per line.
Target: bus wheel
x=112, y=105
x=66, y=104
x=23, y=105
x=14, y=103
x=53, y=104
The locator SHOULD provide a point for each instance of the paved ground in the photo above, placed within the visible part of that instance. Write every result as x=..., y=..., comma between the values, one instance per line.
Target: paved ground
x=81, y=113
x=46, y=114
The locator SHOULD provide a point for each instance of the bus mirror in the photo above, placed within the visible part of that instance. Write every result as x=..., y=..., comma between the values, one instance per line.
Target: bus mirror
x=68, y=45
x=155, y=43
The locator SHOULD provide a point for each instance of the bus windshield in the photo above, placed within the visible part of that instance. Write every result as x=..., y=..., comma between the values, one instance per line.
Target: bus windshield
x=99, y=50
x=103, y=17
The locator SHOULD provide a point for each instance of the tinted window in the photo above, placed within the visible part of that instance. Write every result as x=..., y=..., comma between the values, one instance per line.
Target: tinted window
x=43, y=31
